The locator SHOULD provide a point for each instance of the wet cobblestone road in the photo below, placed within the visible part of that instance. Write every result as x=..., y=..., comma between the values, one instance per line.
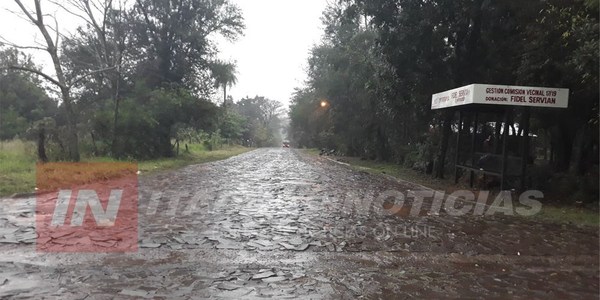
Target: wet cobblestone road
x=279, y=223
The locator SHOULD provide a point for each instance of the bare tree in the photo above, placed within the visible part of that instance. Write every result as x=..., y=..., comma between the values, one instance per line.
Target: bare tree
x=37, y=18
x=106, y=21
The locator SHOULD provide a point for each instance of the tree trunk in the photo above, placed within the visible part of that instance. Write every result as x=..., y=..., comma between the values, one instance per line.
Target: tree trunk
x=72, y=139
x=225, y=96
x=41, y=146
x=61, y=81
x=439, y=170
x=113, y=143
x=96, y=152
x=382, y=153
x=576, y=165
x=117, y=99
x=562, y=146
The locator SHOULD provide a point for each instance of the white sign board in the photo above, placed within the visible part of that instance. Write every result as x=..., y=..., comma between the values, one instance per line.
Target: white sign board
x=502, y=95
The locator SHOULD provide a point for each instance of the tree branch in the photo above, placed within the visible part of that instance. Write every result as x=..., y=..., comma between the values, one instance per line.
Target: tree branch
x=26, y=12
x=38, y=12
x=82, y=77
x=107, y=10
x=34, y=71
x=4, y=41
x=19, y=14
x=57, y=3
x=56, y=30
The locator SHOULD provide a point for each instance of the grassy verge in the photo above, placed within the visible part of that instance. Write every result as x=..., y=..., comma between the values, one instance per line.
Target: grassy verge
x=397, y=171
x=18, y=164
x=550, y=213
x=568, y=215
x=197, y=155
x=17, y=167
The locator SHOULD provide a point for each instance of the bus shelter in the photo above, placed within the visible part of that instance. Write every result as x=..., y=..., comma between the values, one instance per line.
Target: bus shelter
x=492, y=133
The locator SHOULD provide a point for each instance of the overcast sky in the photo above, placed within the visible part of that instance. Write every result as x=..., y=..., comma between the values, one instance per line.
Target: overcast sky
x=271, y=56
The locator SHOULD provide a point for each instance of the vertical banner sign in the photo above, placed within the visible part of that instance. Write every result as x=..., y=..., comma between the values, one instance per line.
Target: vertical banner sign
x=502, y=95
x=87, y=207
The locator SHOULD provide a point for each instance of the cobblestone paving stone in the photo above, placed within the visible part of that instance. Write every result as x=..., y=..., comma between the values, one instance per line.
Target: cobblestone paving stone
x=277, y=223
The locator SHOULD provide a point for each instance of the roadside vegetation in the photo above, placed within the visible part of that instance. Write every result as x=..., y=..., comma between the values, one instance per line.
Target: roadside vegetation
x=553, y=210
x=18, y=164
x=119, y=90
x=372, y=77
x=17, y=167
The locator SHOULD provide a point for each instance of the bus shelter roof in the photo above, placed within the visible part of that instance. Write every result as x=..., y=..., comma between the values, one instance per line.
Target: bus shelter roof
x=502, y=95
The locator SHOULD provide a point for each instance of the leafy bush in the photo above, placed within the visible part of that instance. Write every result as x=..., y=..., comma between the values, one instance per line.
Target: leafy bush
x=150, y=120
x=572, y=188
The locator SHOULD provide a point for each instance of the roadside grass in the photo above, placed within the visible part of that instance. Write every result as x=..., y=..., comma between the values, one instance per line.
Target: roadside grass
x=18, y=166
x=197, y=155
x=312, y=151
x=550, y=213
x=568, y=215
x=394, y=170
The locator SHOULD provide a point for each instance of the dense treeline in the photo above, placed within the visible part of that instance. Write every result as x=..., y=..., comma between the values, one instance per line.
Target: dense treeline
x=381, y=60
x=132, y=81
x=23, y=101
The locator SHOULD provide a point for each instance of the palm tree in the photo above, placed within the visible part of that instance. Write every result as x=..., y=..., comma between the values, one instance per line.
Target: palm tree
x=224, y=74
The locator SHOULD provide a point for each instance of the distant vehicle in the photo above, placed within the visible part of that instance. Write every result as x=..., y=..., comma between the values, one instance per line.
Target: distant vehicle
x=286, y=144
